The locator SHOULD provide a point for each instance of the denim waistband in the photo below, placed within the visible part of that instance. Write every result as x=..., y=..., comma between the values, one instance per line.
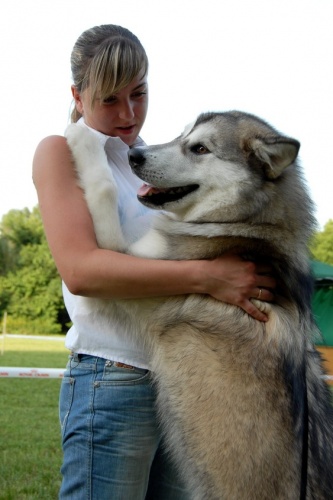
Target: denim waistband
x=88, y=358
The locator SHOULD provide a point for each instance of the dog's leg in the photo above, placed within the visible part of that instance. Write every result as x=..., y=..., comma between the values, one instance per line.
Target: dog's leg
x=223, y=403
x=100, y=190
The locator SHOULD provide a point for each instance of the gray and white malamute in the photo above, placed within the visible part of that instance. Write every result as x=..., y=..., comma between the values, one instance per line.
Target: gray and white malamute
x=246, y=412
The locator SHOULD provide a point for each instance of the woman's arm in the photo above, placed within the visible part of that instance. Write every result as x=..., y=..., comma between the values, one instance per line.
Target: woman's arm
x=90, y=271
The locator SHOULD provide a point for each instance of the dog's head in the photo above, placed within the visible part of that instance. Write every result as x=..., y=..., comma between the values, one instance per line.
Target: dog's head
x=219, y=167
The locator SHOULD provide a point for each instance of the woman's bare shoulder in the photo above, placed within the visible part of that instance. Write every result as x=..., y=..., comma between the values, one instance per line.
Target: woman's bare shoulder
x=52, y=153
x=52, y=144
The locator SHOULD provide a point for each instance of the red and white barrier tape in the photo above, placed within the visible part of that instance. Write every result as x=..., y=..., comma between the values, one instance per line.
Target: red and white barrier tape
x=41, y=373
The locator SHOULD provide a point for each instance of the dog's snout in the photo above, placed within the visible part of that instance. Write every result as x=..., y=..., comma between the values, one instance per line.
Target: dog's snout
x=136, y=157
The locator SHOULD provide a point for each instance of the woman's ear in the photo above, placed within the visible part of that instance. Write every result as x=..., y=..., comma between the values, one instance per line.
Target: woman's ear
x=77, y=99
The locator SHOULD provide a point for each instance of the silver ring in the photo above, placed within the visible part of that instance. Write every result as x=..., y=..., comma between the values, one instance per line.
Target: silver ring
x=259, y=294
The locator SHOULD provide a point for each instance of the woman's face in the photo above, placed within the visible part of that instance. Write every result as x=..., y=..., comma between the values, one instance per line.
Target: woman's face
x=121, y=115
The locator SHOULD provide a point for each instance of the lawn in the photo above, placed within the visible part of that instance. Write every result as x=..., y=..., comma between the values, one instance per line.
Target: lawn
x=30, y=453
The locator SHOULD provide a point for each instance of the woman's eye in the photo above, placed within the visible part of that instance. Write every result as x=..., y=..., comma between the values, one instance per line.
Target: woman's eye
x=109, y=100
x=139, y=94
x=113, y=98
x=199, y=149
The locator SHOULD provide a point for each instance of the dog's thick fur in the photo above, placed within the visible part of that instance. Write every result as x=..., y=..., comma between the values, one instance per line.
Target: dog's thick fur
x=244, y=407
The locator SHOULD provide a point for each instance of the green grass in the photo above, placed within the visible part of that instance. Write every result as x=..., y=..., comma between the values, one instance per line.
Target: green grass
x=30, y=452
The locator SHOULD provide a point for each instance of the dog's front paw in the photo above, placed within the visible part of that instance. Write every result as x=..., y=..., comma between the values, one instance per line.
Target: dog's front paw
x=96, y=179
x=89, y=156
x=73, y=134
x=80, y=139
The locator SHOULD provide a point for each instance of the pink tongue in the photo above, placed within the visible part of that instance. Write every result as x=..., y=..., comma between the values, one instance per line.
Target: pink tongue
x=145, y=189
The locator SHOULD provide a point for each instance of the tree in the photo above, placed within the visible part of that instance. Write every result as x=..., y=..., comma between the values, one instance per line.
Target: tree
x=30, y=286
x=321, y=246
x=7, y=257
x=18, y=228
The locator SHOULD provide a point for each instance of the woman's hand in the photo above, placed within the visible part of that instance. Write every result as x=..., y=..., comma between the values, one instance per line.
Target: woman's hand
x=236, y=281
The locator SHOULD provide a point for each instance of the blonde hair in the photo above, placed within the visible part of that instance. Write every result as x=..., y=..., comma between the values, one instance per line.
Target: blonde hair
x=106, y=59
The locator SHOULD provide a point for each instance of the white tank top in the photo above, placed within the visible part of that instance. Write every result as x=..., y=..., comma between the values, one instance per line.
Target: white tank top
x=91, y=333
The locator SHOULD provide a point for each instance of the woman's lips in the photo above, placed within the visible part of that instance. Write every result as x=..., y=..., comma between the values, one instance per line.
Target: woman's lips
x=126, y=130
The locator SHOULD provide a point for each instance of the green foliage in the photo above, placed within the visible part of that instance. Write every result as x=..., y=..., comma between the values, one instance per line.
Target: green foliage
x=30, y=286
x=35, y=326
x=8, y=256
x=22, y=227
x=321, y=246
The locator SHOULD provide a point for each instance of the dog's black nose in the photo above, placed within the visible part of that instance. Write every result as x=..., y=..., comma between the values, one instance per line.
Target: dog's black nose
x=136, y=157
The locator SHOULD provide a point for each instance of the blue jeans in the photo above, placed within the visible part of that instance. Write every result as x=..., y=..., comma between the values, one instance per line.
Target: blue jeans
x=111, y=441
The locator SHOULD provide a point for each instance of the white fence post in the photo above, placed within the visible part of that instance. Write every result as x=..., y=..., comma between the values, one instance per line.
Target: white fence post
x=4, y=322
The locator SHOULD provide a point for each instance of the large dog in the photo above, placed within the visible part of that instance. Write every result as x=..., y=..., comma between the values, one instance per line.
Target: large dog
x=244, y=407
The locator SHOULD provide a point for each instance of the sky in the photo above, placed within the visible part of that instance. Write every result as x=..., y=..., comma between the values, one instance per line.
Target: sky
x=272, y=58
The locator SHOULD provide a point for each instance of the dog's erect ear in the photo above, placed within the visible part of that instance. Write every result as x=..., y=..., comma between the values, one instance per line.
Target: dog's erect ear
x=275, y=153
x=188, y=129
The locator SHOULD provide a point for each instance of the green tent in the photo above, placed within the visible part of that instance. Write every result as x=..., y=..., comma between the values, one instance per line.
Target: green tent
x=323, y=301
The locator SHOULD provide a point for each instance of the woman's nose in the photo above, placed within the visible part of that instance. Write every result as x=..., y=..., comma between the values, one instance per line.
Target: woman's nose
x=126, y=110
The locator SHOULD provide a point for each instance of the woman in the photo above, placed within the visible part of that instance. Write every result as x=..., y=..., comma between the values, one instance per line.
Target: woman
x=111, y=441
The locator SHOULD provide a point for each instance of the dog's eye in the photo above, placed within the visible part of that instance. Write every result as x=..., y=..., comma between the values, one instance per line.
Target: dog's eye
x=199, y=149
